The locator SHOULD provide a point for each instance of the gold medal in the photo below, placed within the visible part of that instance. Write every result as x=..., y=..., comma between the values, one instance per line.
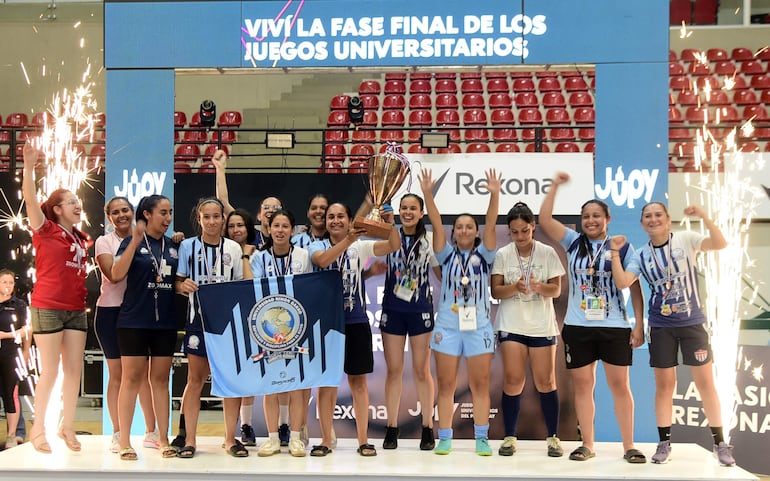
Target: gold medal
x=158, y=278
x=591, y=271
x=464, y=281
x=668, y=284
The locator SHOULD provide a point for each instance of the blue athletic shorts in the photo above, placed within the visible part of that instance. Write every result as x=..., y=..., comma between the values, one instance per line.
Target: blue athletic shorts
x=455, y=342
x=106, y=328
x=194, y=344
x=403, y=323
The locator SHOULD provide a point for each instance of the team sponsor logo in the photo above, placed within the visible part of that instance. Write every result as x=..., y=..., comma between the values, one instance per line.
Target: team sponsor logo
x=135, y=187
x=701, y=355
x=625, y=191
x=277, y=323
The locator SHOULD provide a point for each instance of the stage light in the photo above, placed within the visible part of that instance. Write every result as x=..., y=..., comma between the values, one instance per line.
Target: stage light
x=279, y=140
x=208, y=113
x=355, y=110
x=434, y=140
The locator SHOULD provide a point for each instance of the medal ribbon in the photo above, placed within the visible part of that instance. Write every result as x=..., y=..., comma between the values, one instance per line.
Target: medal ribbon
x=669, y=259
x=528, y=272
x=156, y=262
x=287, y=265
x=211, y=268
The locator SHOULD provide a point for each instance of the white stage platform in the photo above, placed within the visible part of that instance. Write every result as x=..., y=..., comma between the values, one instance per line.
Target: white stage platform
x=407, y=463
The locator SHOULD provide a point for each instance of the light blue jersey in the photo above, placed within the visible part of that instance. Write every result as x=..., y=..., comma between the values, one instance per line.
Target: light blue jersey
x=266, y=264
x=455, y=264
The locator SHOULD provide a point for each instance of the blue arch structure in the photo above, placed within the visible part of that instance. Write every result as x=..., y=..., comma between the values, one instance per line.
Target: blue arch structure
x=144, y=42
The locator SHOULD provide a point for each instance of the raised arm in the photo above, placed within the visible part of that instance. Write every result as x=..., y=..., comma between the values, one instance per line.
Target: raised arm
x=716, y=240
x=552, y=227
x=123, y=262
x=219, y=159
x=426, y=184
x=494, y=183
x=34, y=212
x=324, y=258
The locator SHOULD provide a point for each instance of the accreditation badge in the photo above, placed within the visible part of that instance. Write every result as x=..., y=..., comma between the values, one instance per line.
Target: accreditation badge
x=404, y=288
x=467, y=317
x=594, y=309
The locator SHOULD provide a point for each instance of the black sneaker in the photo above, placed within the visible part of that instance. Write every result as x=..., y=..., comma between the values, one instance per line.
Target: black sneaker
x=248, y=437
x=391, y=438
x=283, y=434
x=428, y=440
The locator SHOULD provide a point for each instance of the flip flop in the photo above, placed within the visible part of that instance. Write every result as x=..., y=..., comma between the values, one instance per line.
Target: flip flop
x=367, y=450
x=582, y=454
x=237, y=450
x=320, y=451
x=186, y=452
x=634, y=456
x=128, y=454
x=70, y=440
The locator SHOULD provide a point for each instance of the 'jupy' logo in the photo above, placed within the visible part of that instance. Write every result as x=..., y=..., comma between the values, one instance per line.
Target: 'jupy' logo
x=625, y=191
x=135, y=188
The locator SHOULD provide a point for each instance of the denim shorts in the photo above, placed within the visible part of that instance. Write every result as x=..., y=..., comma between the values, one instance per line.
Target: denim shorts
x=51, y=321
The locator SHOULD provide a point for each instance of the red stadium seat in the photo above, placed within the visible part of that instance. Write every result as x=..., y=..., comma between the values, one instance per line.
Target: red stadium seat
x=741, y=53
x=567, y=147
x=452, y=149
x=420, y=118
x=335, y=152
x=473, y=101
x=705, y=12
x=570, y=73
x=472, y=135
x=392, y=136
x=331, y=135
x=725, y=67
x=187, y=153
x=477, y=148
x=502, y=117
x=557, y=115
x=717, y=54
x=446, y=101
x=531, y=148
x=420, y=101
x=223, y=136
x=500, y=100
x=420, y=87
x=497, y=85
x=99, y=119
x=584, y=115
x=395, y=87
x=680, y=83
x=446, y=86
x=230, y=118
x=687, y=97
x=674, y=115
x=41, y=119
x=752, y=67
x=180, y=119
x=195, y=121
x=523, y=85
x=549, y=84
x=207, y=168
x=590, y=147
x=553, y=99
x=712, y=82
x=470, y=75
x=765, y=97
x=501, y=135
x=5, y=137
x=370, y=102
x=526, y=99
x=675, y=69
x=338, y=118
x=182, y=167
x=507, y=147
x=370, y=118
x=195, y=136
x=727, y=113
x=371, y=87
x=690, y=55
x=760, y=82
x=672, y=56
x=16, y=120
x=474, y=117
x=98, y=151
x=445, y=75
x=358, y=167
x=698, y=115
x=575, y=84
x=417, y=149
x=680, y=11
x=717, y=97
x=331, y=168
x=586, y=134
x=361, y=152
x=490, y=75
x=763, y=53
x=364, y=135
x=517, y=74
x=529, y=115
x=749, y=147
x=394, y=102
x=679, y=134
x=393, y=118
x=580, y=99
x=545, y=73
x=211, y=149
x=754, y=112
x=745, y=97
x=471, y=85
x=561, y=134
x=698, y=68
x=447, y=117
x=739, y=82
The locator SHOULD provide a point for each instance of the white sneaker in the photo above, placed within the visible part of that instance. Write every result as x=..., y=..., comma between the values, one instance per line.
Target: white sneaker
x=269, y=447
x=297, y=448
x=151, y=440
x=304, y=435
x=115, y=446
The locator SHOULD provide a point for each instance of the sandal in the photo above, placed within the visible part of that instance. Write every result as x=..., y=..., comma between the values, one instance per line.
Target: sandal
x=634, y=456
x=186, y=452
x=168, y=451
x=40, y=443
x=367, y=450
x=70, y=440
x=237, y=450
x=582, y=454
x=128, y=454
x=320, y=451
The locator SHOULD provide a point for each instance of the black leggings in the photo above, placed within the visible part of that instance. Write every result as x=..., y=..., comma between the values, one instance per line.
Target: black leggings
x=8, y=381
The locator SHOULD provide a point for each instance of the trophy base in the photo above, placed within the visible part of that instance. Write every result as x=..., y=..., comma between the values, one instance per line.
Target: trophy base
x=373, y=228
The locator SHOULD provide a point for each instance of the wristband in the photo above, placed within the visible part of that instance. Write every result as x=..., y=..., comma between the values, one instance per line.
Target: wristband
x=245, y=257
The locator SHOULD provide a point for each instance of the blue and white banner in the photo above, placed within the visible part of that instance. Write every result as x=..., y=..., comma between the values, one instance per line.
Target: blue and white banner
x=273, y=335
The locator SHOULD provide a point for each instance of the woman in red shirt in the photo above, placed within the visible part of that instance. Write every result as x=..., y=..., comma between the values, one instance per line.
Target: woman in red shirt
x=58, y=307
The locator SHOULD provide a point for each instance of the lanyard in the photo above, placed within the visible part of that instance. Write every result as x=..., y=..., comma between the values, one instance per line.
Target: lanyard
x=464, y=280
x=287, y=263
x=156, y=263
x=593, y=260
x=211, y=268
x=669, y=260
x=528, y=272
x=406, y=254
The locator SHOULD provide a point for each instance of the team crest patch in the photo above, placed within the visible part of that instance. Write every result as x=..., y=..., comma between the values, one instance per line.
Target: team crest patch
x=277, y=323
x=437, y=337
x=227, y=259
x=193, y=342
x=173, y=252
x=701, y=355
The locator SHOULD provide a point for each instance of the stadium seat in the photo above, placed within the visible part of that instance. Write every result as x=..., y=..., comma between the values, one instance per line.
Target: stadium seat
x=497, y=85
x=717, y=54
x=530, y=115
x=738, y=82
x=709, y=80
x=99, y=151
x=675, y=69
x=471, y=85
x=361, y=152
x=679, y=133
x=335, y=152
x=717, y=97
x=751, y=67
x=338, y=118
x=331, y=135
x=420, y=87
x=502, y=135
x=697, y=68
x=223, y=136
x=557, y=115
x=531, y=148
x=195, y=136
x=580, y=99
x=553, y=99
x=680, y=83
x=584, y=115
x=523, y=85
x=393, y=118
x=765, y=97
x=590, y=147
x=545, y=73
x=725, y=67
x=674, y=115
x=705, y=12
x=690, y=55
x=187, y=153
x=358, y=167
x=230, y=118
x=741, y=53
x=16, y=120
x=195, y=120
x=180, y=119
x=370, y=118
x=454, y=134
x=387, y=135
x=453, y=148
x=490, y=75
x=207, y=168
x=749, y=147
x=763, y=54
x=420, y=118
x=208, y=153
x=502, y=117
x=472, y=135
x=370, y=102
x=586, y=134
x=447, y=117
x=395, y=87
x=549, y=84
x=567, y=147
x=680, y=11
x=507, y=147
x=182, y=167
x=672, y=56
x=517, y=74
x=99, y=120
x=745, y=97
x=371, y=87
x=687, y=97
x=697, y=115
x=420, y=101
x=470, y=75
x=561, y=134
x=570, y=73
x=5, y=137
x=575, y=84
x=727, y=113
x=445, y=75
x=417, y=149
x=445, y=86
x=363, y=135
x=41, y=119
x=500, y=100
x=760, y=82
x=474, y=117
x=331, y=168
x=473, y=101
x=394, y=102
x=420, y=76
x=477, y=148
x=526, y=99
x=754, y=112
x=446, y=101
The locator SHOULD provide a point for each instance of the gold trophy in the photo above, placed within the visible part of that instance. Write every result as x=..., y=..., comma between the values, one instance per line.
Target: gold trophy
x=387, y=172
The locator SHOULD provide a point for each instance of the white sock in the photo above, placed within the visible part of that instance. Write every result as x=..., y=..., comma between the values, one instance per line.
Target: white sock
x=273, y=436
x=283, y=414
x=294, y=435
x=246, y=413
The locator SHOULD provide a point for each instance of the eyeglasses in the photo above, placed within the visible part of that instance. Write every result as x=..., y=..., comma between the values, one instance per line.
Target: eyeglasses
x=70, y=202
x=271, y=207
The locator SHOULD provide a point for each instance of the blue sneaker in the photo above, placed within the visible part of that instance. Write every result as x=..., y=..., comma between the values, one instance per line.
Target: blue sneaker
x=482, y=447
x=662, y=453
x=248, y=437
x=283, y=434
x=444, y=446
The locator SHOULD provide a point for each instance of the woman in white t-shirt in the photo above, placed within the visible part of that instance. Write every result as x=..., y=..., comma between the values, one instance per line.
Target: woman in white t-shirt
x=526, y=276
